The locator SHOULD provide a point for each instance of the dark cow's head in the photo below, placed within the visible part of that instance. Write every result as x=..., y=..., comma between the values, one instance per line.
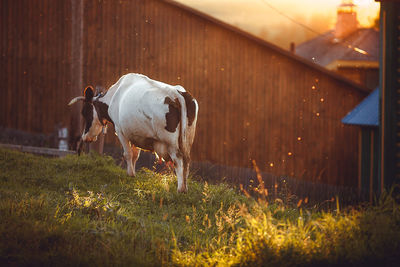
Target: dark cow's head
x=93, y=122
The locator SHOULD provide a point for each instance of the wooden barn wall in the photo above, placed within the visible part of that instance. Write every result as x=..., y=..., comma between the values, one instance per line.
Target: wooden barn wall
x=255, y=103
x=366, y=76
x=36, y=75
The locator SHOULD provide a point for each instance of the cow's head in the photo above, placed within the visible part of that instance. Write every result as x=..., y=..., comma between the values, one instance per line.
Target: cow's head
x=93, y=126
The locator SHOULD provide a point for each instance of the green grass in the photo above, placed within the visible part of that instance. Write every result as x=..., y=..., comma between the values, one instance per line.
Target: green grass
x=86, y=211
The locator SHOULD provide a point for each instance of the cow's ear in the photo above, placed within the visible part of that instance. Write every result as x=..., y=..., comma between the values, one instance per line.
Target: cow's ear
x=88, y=93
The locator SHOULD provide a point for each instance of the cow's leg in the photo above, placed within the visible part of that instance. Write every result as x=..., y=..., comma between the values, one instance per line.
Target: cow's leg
x=179, y=171
x=128, y=153
x=135, y=156
x=186, y=163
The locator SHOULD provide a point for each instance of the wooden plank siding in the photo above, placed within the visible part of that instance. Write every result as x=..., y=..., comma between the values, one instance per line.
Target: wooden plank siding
x=256, y=100
x=36, y=74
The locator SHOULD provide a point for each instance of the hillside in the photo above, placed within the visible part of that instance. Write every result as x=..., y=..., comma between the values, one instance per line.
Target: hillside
x=86, y=211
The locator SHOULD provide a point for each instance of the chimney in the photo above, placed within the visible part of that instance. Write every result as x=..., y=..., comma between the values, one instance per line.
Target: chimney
x=346, y=22
x=292, y=47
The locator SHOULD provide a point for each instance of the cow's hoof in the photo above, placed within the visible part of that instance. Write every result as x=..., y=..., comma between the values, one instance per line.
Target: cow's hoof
x=131, y=173
x=182, y=190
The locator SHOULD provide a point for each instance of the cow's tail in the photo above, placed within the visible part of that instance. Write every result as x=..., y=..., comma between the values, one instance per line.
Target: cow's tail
x=188, y=107
x=183, y=130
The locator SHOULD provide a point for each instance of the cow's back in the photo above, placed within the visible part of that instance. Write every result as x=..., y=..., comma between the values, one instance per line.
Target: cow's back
x=138, y=107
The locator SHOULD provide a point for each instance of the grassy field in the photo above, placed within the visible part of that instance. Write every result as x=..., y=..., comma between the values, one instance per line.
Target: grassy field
x=86, y=211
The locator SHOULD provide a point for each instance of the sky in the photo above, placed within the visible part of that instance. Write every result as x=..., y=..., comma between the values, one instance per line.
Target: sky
x=260, y=19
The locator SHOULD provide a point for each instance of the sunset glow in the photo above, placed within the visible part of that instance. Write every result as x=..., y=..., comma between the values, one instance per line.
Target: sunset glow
x=258, y=18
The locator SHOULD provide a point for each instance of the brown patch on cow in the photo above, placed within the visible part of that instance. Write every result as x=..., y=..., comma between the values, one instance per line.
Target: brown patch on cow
x=102, y=112
x=144, y=143
x=190, y=106
x=87, y=113
x=173, y=117
x=88, y=93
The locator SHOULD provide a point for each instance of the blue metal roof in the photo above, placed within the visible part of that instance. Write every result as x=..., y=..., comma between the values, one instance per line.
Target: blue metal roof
x=366, y=113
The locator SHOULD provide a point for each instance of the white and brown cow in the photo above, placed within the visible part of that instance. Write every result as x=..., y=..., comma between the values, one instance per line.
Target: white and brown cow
x=146, y=114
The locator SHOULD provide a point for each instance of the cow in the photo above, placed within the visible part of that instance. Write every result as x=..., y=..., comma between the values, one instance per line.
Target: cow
x=147, y=115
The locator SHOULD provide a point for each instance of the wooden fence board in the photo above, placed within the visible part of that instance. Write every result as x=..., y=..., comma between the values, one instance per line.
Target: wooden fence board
x=38, y=150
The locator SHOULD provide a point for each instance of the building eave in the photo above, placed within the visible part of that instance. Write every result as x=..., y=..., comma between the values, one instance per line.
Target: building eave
x=358, y=64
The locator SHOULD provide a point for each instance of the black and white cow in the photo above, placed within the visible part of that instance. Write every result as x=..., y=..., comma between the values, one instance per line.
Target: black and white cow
x=148, y=115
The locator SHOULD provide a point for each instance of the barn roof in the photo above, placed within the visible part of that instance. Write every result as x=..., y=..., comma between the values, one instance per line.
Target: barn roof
x=366, y=113
x=325, y=49
x=269, y=45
